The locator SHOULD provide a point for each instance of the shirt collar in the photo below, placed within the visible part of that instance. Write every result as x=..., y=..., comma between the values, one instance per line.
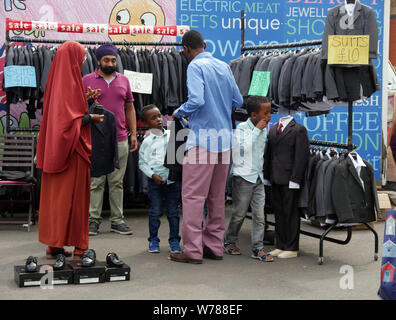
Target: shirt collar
x=154, y=136
x=203, y=55
x=350, y=7
x=286, y=122
x=250, y=124
x=358, y=162
x=97, y=75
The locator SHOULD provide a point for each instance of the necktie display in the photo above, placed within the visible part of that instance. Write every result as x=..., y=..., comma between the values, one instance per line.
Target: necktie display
x=280, y=126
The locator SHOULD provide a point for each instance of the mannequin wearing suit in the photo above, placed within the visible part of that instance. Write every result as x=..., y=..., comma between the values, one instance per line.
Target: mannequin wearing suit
x=285, y=162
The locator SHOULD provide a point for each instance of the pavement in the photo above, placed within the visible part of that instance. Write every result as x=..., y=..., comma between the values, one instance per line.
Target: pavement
x=349, y=271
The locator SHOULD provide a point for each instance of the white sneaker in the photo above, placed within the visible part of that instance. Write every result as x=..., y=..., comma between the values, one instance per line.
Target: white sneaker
x=276, y=252
x=288, y=254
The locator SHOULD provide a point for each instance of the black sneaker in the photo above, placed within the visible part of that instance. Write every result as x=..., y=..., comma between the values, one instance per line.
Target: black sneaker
x=121, y=229
x=93, y=228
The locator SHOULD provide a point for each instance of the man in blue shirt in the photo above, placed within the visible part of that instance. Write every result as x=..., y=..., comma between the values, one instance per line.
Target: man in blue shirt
x=212, y=93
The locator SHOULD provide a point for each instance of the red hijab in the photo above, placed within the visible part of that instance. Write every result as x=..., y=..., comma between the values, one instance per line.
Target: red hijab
x=65, y=103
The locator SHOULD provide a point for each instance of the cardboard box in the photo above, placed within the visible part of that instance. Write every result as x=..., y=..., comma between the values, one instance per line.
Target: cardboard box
x=84, y=275
x=33, y=279
x=118, y=274
x=384, y=204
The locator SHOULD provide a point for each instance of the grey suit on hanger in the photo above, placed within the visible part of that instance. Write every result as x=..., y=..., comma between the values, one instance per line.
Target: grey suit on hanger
x=365, y=23
x=247, y=67
x=275, y=67
x=120, y=67
x=307, y=77
x=90, y=63
x=10, y=57
x=297, y=75
x=285, y=78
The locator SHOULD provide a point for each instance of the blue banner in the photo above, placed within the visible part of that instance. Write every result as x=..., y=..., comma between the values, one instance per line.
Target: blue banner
x=280, y=21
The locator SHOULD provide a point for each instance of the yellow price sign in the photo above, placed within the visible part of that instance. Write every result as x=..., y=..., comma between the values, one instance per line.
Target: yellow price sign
x=351, y=49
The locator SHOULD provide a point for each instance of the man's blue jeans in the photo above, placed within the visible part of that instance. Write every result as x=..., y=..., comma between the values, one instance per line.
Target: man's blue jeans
x=171, y=193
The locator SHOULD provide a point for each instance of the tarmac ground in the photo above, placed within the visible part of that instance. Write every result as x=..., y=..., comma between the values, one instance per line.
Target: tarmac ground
x=349, y=272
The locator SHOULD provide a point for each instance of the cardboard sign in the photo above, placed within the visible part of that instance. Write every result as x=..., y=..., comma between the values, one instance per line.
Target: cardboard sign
x=349, y=50
x=260, y=83
x=140, y=82
x=19, y=76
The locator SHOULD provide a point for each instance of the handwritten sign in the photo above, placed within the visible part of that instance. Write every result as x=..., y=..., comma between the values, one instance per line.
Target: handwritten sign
x=350, y=50
x=260, y=83
x=140, y=82
x=19, y=76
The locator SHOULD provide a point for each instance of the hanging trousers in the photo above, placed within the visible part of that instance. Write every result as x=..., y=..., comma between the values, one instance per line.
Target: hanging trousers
x=287, y=217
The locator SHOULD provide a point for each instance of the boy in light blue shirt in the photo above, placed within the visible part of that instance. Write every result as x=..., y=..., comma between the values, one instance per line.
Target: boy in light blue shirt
x=249, y=141
x=151, y=161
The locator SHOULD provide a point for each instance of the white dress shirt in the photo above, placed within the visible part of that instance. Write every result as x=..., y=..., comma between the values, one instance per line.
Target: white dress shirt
x=358, y=164
x=350, y=7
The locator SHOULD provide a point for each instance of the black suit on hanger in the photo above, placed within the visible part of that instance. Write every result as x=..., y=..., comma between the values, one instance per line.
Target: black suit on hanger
x=285, y=160
x=352, y=201
x=104, y=158
x=93, y=57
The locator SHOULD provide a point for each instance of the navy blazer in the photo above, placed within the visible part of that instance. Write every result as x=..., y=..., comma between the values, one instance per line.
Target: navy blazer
x=104, y=156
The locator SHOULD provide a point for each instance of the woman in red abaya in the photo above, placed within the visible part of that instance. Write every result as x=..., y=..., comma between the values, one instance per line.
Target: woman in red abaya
x=63, y=151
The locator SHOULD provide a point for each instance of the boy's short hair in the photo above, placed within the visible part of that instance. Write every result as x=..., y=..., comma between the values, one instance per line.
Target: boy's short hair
x=254, y=102
x=145, y=109
x=193, y=39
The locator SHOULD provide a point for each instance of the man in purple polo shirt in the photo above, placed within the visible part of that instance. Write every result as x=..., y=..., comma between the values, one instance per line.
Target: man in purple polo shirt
x=115, y=96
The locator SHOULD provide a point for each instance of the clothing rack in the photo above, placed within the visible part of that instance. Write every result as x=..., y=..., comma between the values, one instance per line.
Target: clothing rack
x=330, y=144
x=350, y=146
x=58, y=41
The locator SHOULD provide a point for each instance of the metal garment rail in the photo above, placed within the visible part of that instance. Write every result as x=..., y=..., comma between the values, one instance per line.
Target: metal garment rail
x=350, y=146
x=85, y=42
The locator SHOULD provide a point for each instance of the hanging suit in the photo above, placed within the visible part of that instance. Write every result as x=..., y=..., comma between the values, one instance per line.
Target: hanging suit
x=349, y=78
x=352, y=201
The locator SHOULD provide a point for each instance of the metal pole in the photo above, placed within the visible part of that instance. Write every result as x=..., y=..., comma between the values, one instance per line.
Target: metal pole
x=350, y=125
x=87, y=42
x=243, y=30
x=7, y=128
